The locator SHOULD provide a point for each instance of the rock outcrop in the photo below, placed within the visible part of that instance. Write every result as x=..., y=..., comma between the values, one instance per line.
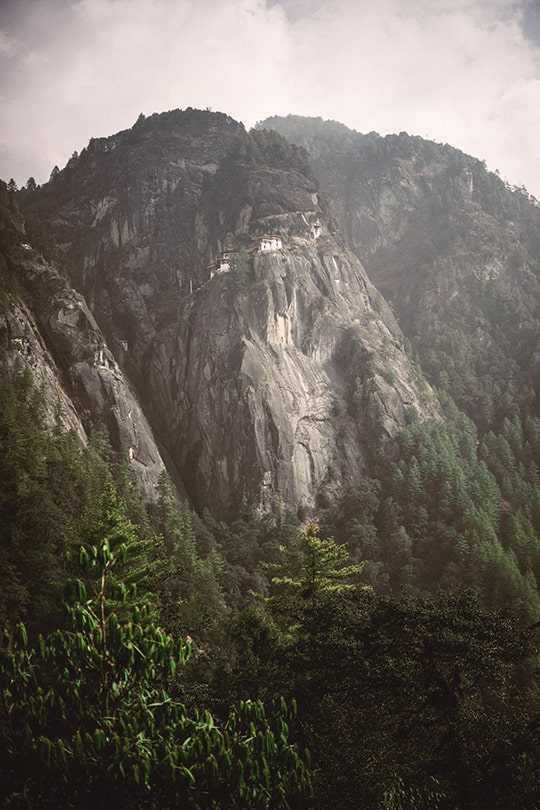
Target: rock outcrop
x=47, y=329
x=266, y=362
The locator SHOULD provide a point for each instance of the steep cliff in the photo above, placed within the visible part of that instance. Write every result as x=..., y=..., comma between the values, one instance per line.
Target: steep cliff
x=47, y=330
x=454, y=248
x=266, y=362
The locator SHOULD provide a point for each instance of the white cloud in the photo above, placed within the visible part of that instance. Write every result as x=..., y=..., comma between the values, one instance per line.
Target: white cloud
x=7, y=46
x=458, y=71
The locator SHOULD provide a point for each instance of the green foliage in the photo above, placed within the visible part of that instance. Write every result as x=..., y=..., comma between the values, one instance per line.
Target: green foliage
x=447, y=510
x=410, y=703
x=318, y=566
x=114, y=534
x=246, y=546
x=44, y=477
x=39, y=236
x=267, y=147
x=427, y=702
x=189, y=584
x=128, y=491
x=241, y=270
x=86, y=717
x=417, y=701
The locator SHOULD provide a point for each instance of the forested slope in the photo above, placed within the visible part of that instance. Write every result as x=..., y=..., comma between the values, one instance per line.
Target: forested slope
x=431, y=701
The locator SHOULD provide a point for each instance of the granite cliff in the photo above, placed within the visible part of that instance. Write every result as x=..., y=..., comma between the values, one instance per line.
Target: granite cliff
x=48, y=331
x=453, y=248
x=265, y=361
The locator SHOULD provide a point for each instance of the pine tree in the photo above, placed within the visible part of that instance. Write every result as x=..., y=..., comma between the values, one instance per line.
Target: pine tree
x=315, y=566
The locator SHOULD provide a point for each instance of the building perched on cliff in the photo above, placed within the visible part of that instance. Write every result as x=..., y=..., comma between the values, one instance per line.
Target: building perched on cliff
x=269, y=243
x=222, y=264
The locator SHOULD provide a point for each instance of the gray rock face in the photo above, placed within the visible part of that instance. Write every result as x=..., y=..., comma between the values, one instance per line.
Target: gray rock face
x=50, y=331
x=265, y=373
x=263, y=391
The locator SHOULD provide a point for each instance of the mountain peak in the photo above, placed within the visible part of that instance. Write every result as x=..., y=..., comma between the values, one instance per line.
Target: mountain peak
x=254, y=335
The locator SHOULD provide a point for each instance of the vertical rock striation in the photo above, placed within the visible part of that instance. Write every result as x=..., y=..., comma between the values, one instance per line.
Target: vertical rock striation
x=47, y=329
x=265, y=361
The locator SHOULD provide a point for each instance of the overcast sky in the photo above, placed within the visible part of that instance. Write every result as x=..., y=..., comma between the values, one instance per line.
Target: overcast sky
x=464, y=72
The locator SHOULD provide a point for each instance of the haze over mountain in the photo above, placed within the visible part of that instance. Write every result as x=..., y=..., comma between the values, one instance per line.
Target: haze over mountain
x=286, y=382
x=449, y=246
x=466, y=73
x=284, y=373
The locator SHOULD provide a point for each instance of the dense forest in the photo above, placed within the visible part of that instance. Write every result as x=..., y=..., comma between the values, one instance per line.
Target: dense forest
x=164, y=659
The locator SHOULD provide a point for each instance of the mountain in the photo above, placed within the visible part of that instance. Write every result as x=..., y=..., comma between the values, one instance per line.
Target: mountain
x=452, y=247
x=265, y=361
x=216, y=302
x=48, y=332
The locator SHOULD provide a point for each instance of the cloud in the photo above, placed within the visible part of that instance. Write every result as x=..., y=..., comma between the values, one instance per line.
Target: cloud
x=461, y=72
x=90, y=68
